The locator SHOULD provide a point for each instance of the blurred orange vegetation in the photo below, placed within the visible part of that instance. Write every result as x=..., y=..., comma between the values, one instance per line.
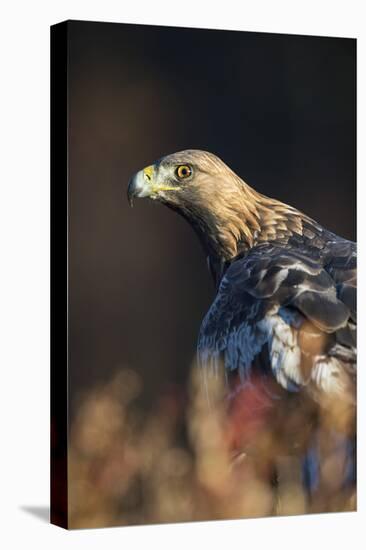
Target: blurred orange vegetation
x=174, y=462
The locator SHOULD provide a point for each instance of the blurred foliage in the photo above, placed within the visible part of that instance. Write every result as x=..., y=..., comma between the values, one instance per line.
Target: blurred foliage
x=175, y=462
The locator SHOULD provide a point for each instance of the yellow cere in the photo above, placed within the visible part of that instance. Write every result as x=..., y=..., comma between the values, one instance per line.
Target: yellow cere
x=156, y=187
x=148, y=171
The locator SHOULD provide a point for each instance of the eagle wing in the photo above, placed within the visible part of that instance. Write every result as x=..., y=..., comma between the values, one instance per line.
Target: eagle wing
x=300, y=306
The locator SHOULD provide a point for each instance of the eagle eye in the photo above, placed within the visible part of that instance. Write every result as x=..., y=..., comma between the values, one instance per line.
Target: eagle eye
x=183, y=171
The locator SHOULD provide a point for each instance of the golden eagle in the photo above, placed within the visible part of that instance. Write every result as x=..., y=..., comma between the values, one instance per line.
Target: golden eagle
x=283, y=321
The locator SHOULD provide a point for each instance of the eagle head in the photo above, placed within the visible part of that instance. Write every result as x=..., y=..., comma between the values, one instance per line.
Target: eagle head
x=187, y=179
x=227, y=214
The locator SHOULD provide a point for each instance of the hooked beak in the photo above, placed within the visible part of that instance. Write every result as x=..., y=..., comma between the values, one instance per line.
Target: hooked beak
x=140, y=185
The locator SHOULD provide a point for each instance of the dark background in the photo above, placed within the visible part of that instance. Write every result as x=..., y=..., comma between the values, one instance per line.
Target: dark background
x=278, y=109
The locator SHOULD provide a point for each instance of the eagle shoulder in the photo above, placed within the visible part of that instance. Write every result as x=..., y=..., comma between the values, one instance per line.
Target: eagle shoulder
x=300, y=306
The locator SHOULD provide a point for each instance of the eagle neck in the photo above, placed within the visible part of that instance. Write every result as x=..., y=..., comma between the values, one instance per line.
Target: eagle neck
x=231, y=228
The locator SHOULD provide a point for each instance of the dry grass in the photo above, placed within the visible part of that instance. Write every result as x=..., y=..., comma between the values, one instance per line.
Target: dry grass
x=176, y=463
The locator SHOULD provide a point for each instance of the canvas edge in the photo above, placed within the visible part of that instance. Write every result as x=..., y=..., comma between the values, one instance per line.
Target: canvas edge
x=59, y=274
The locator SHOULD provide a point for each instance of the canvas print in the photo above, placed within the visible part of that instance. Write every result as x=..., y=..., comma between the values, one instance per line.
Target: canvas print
x=203, y=341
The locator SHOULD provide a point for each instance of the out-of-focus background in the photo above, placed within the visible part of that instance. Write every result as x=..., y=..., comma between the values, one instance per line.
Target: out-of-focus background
x=278, y=109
